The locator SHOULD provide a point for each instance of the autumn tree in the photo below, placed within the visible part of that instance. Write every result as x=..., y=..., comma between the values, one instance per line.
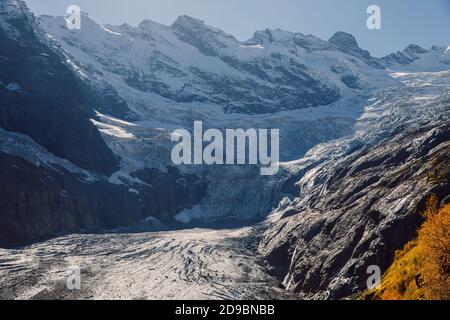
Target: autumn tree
x=434, y=239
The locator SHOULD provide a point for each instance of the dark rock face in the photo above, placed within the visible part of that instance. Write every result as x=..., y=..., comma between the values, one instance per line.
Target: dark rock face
x=38, y=202
x=299, y=90
x=259, y=85
x=104, y=98
x=281, y=83
x=42, y=97
x=348, y=44
x=364, y=208
x=48, y=105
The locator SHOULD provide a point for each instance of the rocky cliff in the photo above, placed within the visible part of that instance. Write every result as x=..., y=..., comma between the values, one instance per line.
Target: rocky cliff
x=87, y=116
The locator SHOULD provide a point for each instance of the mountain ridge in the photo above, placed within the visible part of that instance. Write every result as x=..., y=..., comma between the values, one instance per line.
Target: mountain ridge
x=88, y=148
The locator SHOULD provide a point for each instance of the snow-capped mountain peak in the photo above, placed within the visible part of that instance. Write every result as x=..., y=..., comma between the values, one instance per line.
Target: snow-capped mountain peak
x=416, y=58
x=191, y=63
x=207, y=39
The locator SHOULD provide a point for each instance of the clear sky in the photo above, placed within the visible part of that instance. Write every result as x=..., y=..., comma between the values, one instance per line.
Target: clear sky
x=423, y=22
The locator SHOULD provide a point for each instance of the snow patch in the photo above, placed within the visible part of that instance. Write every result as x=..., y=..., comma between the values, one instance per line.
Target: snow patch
x=256, y=46
x=14, y=87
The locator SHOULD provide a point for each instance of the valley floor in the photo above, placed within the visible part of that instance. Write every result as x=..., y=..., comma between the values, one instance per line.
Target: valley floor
x=184, y=264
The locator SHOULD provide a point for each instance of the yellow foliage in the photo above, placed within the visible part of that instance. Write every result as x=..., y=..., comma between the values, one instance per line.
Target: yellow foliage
x=421, y=270
x=434, y=237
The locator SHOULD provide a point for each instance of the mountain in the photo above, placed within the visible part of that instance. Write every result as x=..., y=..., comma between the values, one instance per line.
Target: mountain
x=86, y=117
x=354, y=201
x=190, y=62
x=356, y=212
x=192, y=71
x=54, y=163
x=416, y=58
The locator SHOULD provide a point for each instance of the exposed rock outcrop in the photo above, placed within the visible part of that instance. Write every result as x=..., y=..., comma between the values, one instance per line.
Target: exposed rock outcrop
x=361, y=209
x=347, y=43
x=273, y=71
x=405, y=57
x=38, y=202
x=43, y=192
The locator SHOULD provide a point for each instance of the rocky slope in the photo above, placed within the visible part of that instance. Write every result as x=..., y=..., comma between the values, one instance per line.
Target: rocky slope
x=38, y=202
x=413, y=56
x=86, y=117
x=182, y=264
x=40, y=93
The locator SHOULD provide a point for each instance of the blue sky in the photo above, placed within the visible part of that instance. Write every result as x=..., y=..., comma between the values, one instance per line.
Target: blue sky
x=423, y=22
